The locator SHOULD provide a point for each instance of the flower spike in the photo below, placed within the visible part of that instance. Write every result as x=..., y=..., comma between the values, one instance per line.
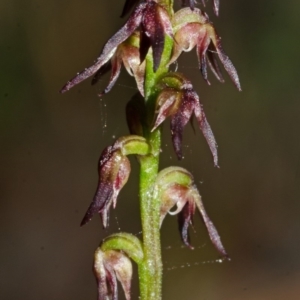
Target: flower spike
x=179, y=101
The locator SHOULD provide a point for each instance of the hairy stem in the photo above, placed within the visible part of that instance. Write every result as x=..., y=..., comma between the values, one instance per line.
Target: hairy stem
x=150, y=271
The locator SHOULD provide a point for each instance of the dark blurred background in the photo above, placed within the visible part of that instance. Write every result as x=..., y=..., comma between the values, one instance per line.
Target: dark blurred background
x=50, y=145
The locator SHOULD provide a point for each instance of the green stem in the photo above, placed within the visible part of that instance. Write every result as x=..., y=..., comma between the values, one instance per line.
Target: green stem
x=150, y=270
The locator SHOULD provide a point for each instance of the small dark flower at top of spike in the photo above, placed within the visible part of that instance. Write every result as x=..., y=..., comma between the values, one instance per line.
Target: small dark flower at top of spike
x=155, y=24
x=178, y=100
x=193, y=29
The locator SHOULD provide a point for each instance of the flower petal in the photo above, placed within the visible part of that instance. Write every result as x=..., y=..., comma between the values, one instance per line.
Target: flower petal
x=202, y=46
x=185, y=219
x=116, y=64
x=167, y=104
x=100, y=273
x=110, y=266
x=186, y=38
x=111, y=279
x=123, y=269
x=133, y=65
x=213, y=64
x=180, y=119
x=171, y=196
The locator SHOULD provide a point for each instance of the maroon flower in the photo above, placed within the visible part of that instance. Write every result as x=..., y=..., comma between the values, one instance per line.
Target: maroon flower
x=127, y=53
x=193, y=29
x=177, y=187
x=155, y=24
x=110, y=266
x=179, y=101
x=114, y=170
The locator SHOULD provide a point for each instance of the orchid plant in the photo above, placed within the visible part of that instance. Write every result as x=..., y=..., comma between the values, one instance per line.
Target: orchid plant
x=153, y=38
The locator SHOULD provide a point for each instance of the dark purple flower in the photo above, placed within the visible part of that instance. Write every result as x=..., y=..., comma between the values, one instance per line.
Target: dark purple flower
x=114, y=170
x=155, y=24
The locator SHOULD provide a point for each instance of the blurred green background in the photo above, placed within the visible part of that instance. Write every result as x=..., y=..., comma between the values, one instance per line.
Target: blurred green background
x=50, y=145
